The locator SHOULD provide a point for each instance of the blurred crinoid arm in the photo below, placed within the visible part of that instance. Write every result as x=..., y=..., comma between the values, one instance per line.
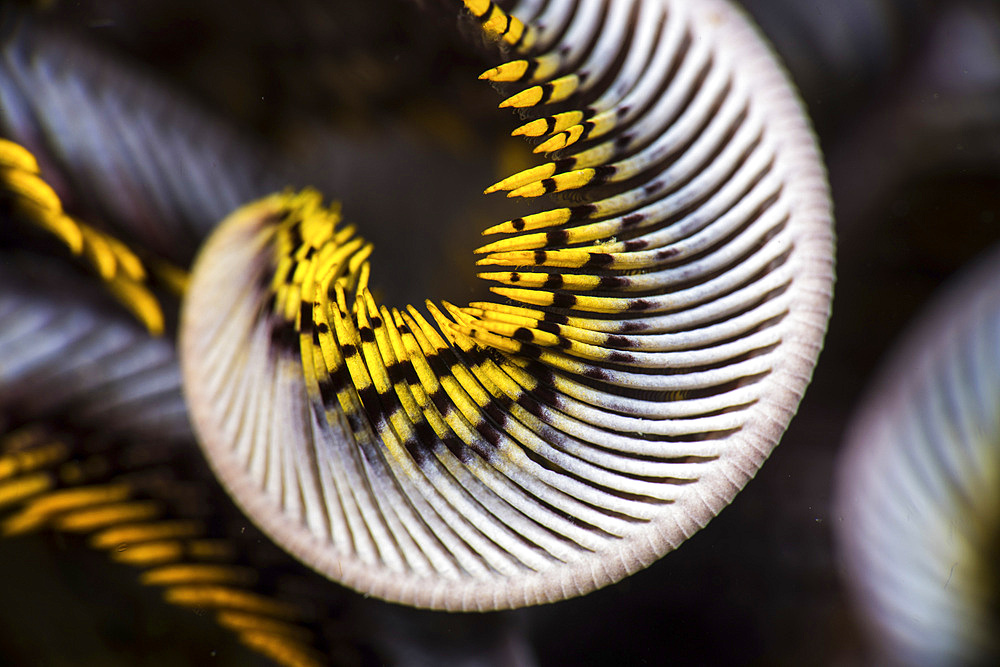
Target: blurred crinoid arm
x=647, y=348
x=918, y=485
x=121, y=150
x=95, y=444
x=32, y=199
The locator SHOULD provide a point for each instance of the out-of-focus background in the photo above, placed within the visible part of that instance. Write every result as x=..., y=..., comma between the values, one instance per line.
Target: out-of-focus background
x=380, y=101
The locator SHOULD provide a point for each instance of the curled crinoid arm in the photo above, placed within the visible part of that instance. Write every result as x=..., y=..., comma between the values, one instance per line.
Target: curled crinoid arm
x=644, y=349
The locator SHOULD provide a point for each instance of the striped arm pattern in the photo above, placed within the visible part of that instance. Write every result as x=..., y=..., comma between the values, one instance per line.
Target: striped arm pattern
x=647, y=346
x=34, y=200
x=144, y=519
x=918, y=484
x=96, y=442
x=121, y=149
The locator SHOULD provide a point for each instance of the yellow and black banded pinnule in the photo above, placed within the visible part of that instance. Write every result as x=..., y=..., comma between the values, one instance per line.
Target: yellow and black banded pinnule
x=646, y=347
x=500, y=26
x=97, y=448
x=32, y=199
x=917, y=491
x=47, y=483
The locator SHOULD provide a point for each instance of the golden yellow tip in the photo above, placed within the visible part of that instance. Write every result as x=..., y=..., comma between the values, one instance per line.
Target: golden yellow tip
x=545, y=219
x=461, y=317
x=535, y=189
x=526, y=98
x=522, y=242
x=566, y=119
x=489, y=247
x=16, y=156
x=477, y=7
x=452, y=309
x=523, y=178
x=507, y=258
x=552, y=143
x=535, y=128
x=506, y=73
x=502, y=228
x=534, y=297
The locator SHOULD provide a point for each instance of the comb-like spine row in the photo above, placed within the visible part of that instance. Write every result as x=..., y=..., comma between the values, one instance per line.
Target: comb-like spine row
x=646, y=348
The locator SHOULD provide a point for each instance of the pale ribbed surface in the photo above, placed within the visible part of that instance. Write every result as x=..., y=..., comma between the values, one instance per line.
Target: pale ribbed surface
x=653, y=343
x=63, y=356
x=918, y=494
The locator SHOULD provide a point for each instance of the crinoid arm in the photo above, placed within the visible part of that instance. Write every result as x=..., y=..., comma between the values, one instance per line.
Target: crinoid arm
x=643, y=353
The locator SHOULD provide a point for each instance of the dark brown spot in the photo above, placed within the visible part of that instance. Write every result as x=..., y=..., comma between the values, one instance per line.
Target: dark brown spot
x=619, y=341
x=563, y=300
x=640, y=304
x=457, y=447
x=491, y=435
x=603, y=173
x=582, y=212
x=632, y=219
x=529, y=351
x=613, y=282
x=527, y=402
x=547, y=89
x=417, y=451
x=633, y=327
x=548, y=327
x=523, y=334
x=623, y=141
x=439, y=397
x=564, y=164
x=328, y=392
x=395, y=373
x=654, y=187
x=370, y=399
x=285, y=338
x=546, y=395
x=556, y=238
x=600, y=259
